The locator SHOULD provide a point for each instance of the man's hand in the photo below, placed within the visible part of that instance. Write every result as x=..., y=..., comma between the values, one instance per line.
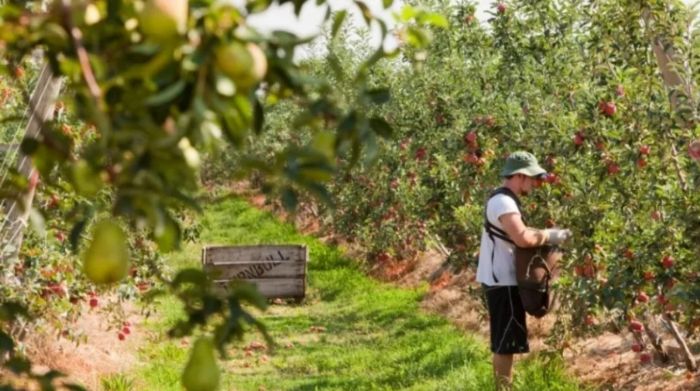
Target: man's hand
x=556, y=236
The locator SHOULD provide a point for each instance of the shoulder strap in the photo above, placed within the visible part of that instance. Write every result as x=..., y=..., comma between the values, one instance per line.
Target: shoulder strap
x=494, y=231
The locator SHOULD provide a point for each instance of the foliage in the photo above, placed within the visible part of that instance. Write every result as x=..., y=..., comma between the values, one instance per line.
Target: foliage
x=577, y=83
x=150, y=87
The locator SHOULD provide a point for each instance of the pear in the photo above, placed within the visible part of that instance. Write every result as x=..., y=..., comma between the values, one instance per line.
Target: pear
x=201, y=372
x=106, y=259
x=245, y=64
x=162, y=20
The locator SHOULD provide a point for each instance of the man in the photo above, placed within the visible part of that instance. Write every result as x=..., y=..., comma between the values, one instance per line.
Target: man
x=503, y=230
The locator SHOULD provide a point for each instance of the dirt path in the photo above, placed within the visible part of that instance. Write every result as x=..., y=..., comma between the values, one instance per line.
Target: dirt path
x=98, y=351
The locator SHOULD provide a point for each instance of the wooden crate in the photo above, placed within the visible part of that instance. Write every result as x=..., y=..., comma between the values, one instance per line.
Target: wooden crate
x=278, y=271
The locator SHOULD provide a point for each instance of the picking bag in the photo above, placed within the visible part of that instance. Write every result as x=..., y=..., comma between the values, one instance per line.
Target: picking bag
x=534, y=268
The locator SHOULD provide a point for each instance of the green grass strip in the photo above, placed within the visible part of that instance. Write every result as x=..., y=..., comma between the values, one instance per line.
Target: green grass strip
x=373, y=336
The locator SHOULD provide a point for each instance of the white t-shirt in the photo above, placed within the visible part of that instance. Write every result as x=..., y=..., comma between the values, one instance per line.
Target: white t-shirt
x=504, y=255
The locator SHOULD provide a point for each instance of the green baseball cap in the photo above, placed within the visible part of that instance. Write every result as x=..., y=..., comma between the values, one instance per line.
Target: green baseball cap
x=522, y=162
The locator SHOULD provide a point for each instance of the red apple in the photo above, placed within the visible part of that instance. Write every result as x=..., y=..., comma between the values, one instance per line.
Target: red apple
x=589, y=320
x=608, y=109
x=471, y=158
x=421, y=153
x=667, y=262
x=93, y=302
x=645, y=357
x=589, y=271
x=642, y=297
x=613, y=168
x=53, y=201
x=501, y=7
x=470, y=138
x=578, y=139
x=57, y=289
x=19, y=72
x=629, y=254
x=648, y=276
x=641, y=163
x=670, y=283
x=637, y=347
x=636, y=325
x=656, y=215
x=126, y=330
x=644, y=150
x=694, y=150
x=121, y=336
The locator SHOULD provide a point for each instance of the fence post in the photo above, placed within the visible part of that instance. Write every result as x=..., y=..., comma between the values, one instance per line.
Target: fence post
x=41, y=107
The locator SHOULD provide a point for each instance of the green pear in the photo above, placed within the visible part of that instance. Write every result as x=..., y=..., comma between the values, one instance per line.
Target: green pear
x=163, y=20
x=106, y=259
x=245, y=64
x=201, y=372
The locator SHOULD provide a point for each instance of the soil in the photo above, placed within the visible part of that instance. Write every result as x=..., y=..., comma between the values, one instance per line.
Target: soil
x=96, y=354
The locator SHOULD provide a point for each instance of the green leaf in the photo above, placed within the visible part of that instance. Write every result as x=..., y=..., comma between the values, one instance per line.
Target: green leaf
x=9, y=311
x=407, y=13
x=29, y=146
x=18, y=365
x=381, y=127
x=366, y=13
x=379, y=95
x=166, y=95
x=258, y=117
x=338, y=22
x=246, y=291
x=433, y=19
x=387, y=3
x=335, y=65
x=6, y=343
x=167, y=233
x=289, y=199
x=190, y=276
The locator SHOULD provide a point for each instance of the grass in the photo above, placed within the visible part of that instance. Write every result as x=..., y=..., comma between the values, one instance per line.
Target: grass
x=350, y=333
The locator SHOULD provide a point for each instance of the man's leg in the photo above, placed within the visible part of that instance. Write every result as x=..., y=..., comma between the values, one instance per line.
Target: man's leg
x=502, y=370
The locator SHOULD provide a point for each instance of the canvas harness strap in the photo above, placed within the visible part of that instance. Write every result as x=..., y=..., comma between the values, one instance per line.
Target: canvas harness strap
x=494, y=231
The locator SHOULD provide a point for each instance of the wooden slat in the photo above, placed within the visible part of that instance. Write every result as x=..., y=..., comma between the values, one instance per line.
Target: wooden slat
x=278, y=271
x=248, y=270
x=274, y=287
x=233, y=254
x=7, y=147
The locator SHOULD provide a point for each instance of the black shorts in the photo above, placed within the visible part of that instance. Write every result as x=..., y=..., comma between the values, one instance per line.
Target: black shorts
x=506, y=320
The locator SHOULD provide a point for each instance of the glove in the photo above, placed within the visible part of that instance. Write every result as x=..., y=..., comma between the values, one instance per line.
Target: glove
x=556, y=236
